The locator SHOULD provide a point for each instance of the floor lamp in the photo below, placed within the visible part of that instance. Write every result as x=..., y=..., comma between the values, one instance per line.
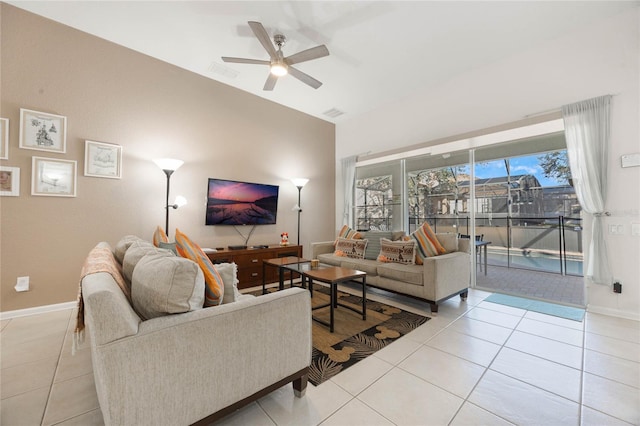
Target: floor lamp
x=299, y=183
x=168, y=166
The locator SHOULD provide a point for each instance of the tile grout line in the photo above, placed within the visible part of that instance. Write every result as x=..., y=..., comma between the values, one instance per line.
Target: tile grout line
x=55, y=373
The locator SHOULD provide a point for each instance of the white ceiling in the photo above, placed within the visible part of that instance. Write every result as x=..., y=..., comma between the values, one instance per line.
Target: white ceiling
x=380, y=51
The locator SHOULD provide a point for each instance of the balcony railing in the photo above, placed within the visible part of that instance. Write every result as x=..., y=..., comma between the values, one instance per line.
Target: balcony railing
x=549, y=243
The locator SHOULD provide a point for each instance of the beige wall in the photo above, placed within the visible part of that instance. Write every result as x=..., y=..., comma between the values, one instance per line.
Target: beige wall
x=112, y=94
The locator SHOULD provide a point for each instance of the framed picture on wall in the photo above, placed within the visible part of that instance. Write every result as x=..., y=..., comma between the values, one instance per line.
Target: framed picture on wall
x=9, y=181
x=4, y=139
x=43, y=131
x=53, y=177
x=102, y=160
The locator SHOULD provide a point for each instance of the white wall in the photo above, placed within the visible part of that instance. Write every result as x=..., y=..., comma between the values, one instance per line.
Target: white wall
x=600, y=59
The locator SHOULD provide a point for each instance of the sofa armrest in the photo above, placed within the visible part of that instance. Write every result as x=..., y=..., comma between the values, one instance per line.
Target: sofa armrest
x=107, y=310
x=446, y=274
x=323, y=247
x=180, y=368
x=464, y=245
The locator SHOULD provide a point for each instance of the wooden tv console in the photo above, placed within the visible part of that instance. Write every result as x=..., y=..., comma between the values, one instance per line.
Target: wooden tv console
x=249, y=262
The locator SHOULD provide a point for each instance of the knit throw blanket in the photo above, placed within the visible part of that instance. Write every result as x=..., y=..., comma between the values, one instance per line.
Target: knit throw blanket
x=100, y=259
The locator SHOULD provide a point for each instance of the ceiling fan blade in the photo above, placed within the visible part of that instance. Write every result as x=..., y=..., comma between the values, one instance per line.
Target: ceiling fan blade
x=271, y=82
x=245, y=61
x=264, y=38
x=305, y=78
x=307, y=55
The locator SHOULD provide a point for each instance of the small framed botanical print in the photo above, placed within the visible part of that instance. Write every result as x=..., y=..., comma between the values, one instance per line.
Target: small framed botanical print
x=4, y=139
x=102, y=160
x=53, y=177
x=43, y=131
x=9, y=181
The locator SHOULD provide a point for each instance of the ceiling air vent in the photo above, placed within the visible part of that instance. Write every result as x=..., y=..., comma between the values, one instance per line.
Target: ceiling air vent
x=333, y=113
x=222, y=70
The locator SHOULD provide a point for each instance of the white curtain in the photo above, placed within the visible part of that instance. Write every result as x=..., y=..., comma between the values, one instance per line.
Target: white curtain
x=348, y=181
x=587, y=128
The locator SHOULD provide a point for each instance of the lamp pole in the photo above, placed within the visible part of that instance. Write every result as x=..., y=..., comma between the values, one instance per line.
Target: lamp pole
x=299, y=211
x=168, y=166
x=166, y=223
x=299, y=183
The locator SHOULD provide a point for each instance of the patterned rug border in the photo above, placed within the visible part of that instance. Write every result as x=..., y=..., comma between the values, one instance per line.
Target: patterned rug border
x=365, y=343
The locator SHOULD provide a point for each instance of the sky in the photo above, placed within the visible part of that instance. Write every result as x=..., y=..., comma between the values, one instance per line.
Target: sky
x=519, y=166
x=240, y=191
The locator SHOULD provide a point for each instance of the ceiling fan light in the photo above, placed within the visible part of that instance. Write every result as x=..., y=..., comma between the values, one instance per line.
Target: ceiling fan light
x=278, y=69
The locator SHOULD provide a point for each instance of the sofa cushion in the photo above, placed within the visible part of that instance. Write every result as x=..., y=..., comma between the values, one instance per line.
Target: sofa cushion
x=330, y=259
x=229, y=274
x=397, y=235
x=427, y=244
x=364, y=265
x=123, y=245
x=397, y=251
x=373, y=245
x=412, y=274
x=449, y=241
x=163, y=285
x=137, y=250
x=159, y=236
x=214, y=286
x=346, y=232
x=350, y=248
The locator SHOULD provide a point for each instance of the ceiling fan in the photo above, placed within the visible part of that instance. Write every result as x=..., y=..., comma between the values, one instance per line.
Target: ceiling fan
x=279, y=64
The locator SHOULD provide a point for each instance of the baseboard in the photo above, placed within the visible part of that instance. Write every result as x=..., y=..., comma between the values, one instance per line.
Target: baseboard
x=37, y=310
x=613, y=312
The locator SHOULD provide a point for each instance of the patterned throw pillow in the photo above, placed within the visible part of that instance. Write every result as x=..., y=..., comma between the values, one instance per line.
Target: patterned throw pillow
x=348, y=233
x=350, y=248
x=427, y=243
x=397, y=251
x=214, y=286
x=159, y=236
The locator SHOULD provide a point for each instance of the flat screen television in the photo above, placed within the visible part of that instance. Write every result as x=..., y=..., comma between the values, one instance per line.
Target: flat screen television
x=231, y=202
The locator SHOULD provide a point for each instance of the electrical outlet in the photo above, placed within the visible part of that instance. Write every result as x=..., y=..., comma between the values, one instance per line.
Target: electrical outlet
x=617, y=286
x=22, y=284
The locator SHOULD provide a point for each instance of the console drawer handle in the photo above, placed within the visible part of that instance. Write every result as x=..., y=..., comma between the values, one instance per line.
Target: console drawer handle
x=254, y=260
x=255, y=274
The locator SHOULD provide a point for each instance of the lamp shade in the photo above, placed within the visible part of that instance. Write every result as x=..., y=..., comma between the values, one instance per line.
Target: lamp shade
x=168, y=163
x=299, y=182
x=180, y=201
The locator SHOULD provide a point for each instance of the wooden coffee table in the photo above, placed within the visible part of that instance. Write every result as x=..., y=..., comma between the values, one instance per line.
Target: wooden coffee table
x=279, y=262
x=331, y=275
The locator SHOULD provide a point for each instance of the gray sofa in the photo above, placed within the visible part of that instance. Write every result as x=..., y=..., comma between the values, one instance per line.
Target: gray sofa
x=439, y=278
x=196, y=366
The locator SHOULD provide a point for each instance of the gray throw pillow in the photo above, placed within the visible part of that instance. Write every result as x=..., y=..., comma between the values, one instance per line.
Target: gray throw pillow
x=373, y=246
x=163, y=285
x=135, y=252
x=123, y=245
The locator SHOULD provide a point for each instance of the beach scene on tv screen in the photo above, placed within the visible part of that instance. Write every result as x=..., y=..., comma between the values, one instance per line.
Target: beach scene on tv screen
x=241, y=203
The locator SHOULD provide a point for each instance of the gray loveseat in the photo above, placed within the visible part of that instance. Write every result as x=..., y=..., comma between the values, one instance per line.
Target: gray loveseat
x=439, y=278
x=196, y=366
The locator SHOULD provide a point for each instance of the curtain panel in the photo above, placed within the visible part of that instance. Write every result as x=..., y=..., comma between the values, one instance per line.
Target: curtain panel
x=348, y=181
x=587, y=129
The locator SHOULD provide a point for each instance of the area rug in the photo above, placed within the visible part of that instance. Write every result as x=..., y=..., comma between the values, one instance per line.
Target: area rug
x=562, y=311
x=353, y=339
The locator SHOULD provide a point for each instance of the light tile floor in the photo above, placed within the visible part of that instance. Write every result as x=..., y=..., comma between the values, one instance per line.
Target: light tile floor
x=476, y=363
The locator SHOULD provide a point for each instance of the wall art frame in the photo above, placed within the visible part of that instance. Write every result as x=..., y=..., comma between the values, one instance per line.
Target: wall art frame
x=4, y=138
x=9, y=181
x=103, y=160
x=52, y=177
x=43, y=131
